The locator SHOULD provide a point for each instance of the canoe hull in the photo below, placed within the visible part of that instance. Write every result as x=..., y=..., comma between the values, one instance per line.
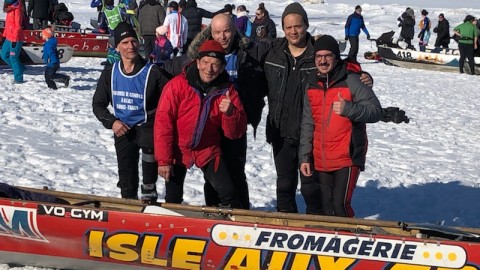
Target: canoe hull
x=119, y=235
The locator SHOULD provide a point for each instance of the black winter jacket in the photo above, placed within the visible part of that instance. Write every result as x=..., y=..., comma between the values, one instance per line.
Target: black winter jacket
x=268, y=26
x=284, y=115
x=408, y=26
x=40, y=9
x=150, y=15
x=443, y=33
x=194, y=17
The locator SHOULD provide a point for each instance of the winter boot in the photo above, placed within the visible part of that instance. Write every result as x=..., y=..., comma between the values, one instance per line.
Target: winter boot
x=149, y=193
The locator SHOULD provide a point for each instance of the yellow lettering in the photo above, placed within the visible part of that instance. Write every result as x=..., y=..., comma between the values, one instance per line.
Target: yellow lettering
x=118, y=250
x=187, y=253
x=277, y=260
x=338, y=264
x=301, y=261
x=149, y=248
x=95, y=244
x=251, y=257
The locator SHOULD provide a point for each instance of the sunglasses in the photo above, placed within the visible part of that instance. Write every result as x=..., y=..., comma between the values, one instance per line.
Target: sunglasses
x=258, y=14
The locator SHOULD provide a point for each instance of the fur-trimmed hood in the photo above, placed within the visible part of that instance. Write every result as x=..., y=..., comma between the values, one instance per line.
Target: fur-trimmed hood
x=239, y=42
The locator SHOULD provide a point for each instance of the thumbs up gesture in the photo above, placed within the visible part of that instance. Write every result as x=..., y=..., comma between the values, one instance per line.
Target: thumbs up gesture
x=226, y=105
x=338, y=106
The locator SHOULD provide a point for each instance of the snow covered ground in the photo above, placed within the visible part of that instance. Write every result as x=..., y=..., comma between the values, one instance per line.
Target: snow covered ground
x=424, y=171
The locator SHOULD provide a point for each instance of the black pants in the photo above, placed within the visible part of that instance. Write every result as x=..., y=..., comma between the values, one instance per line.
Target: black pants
x=148, y=45
x=39, y=24
x=51, y=76
x=217, y=174
x=466, y=52
x=174, y=186
x=330, y=193
x=285, y=154
x=127, y=148
x=352, y=54
x=234, y=155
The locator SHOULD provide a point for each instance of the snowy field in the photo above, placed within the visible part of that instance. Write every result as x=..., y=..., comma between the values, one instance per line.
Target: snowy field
x=424, y=171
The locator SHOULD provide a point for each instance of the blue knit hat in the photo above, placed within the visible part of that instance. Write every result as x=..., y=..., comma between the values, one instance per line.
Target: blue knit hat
x=9, y=2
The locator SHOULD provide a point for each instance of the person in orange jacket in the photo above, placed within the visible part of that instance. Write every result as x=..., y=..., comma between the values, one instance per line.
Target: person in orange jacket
x=13, y=33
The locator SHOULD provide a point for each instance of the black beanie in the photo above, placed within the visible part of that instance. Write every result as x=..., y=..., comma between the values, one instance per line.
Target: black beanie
x=122, y=31
x=358, y=7
x=297, y=9
x=328, y=43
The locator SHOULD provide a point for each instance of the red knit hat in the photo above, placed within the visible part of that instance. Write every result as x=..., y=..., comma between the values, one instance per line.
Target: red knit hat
x=213, y=49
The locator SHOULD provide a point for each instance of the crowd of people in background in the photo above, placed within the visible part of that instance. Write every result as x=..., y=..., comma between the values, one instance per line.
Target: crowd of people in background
x=187, y=100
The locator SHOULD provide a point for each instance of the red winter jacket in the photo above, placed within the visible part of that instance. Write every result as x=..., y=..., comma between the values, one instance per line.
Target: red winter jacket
x=13, y=22
x=333, y=141
x=188, y=123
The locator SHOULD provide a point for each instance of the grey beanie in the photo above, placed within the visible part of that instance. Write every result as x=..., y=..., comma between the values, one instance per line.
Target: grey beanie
x=297, y=9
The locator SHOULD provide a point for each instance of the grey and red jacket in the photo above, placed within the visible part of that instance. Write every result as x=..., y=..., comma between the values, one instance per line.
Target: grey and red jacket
x=189, y=125
x=332, y=141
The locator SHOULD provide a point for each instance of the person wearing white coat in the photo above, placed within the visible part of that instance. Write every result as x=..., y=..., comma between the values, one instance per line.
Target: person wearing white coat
x=177, y=28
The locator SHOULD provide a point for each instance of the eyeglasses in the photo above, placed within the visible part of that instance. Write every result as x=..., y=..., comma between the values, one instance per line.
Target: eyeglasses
x=327, y=57
x=258, y=14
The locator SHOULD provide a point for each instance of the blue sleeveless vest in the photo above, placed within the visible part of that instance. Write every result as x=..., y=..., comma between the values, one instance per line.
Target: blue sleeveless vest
x=128, y=95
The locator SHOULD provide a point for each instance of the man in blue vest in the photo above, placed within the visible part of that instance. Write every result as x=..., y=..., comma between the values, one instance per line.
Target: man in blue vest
x=132, y=87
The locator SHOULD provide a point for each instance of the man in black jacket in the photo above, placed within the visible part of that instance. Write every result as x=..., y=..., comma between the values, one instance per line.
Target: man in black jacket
x=287, y=66
x=40, y=11
x=132, y=87
x=443, y=32
x=150, y=15
x=194, y=16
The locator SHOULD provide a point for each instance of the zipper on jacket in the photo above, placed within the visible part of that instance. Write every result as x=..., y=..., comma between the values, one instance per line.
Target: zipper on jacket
x=325, y=124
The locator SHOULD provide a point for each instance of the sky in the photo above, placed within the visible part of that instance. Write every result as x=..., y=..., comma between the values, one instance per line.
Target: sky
x=423, y=171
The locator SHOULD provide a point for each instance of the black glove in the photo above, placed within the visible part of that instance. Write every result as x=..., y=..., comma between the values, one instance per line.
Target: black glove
x=346, y=37
x=14, y=44
x=368, y=37
x=395, y=115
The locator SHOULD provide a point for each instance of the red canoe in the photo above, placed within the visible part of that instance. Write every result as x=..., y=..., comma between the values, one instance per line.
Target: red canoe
x=112, y=233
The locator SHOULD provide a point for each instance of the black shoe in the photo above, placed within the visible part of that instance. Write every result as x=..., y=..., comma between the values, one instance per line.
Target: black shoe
x=149, y=193
x=67, y=81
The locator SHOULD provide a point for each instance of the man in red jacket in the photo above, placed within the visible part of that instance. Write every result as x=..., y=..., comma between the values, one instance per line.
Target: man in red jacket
x=333, y=138
x=195, y=109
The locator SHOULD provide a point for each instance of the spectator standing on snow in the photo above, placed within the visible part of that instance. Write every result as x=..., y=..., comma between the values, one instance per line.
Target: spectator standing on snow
x=243, y=23
x=425, y=25
x=177, y=28
x=132, y=87
x=353, y=25
x=443, y=32
x=263, y=27
x=50, y=58
x=196, y=109
x=194, y=16
x=40, y=11
x=150, y=15
x=467, y=43
x=335, y=155
x=163, y=49
x=407, y=24
x=13, y=34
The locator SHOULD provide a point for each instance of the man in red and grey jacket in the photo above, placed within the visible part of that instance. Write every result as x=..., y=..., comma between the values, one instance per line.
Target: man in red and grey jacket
x=196, y=108
x=333, y=138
